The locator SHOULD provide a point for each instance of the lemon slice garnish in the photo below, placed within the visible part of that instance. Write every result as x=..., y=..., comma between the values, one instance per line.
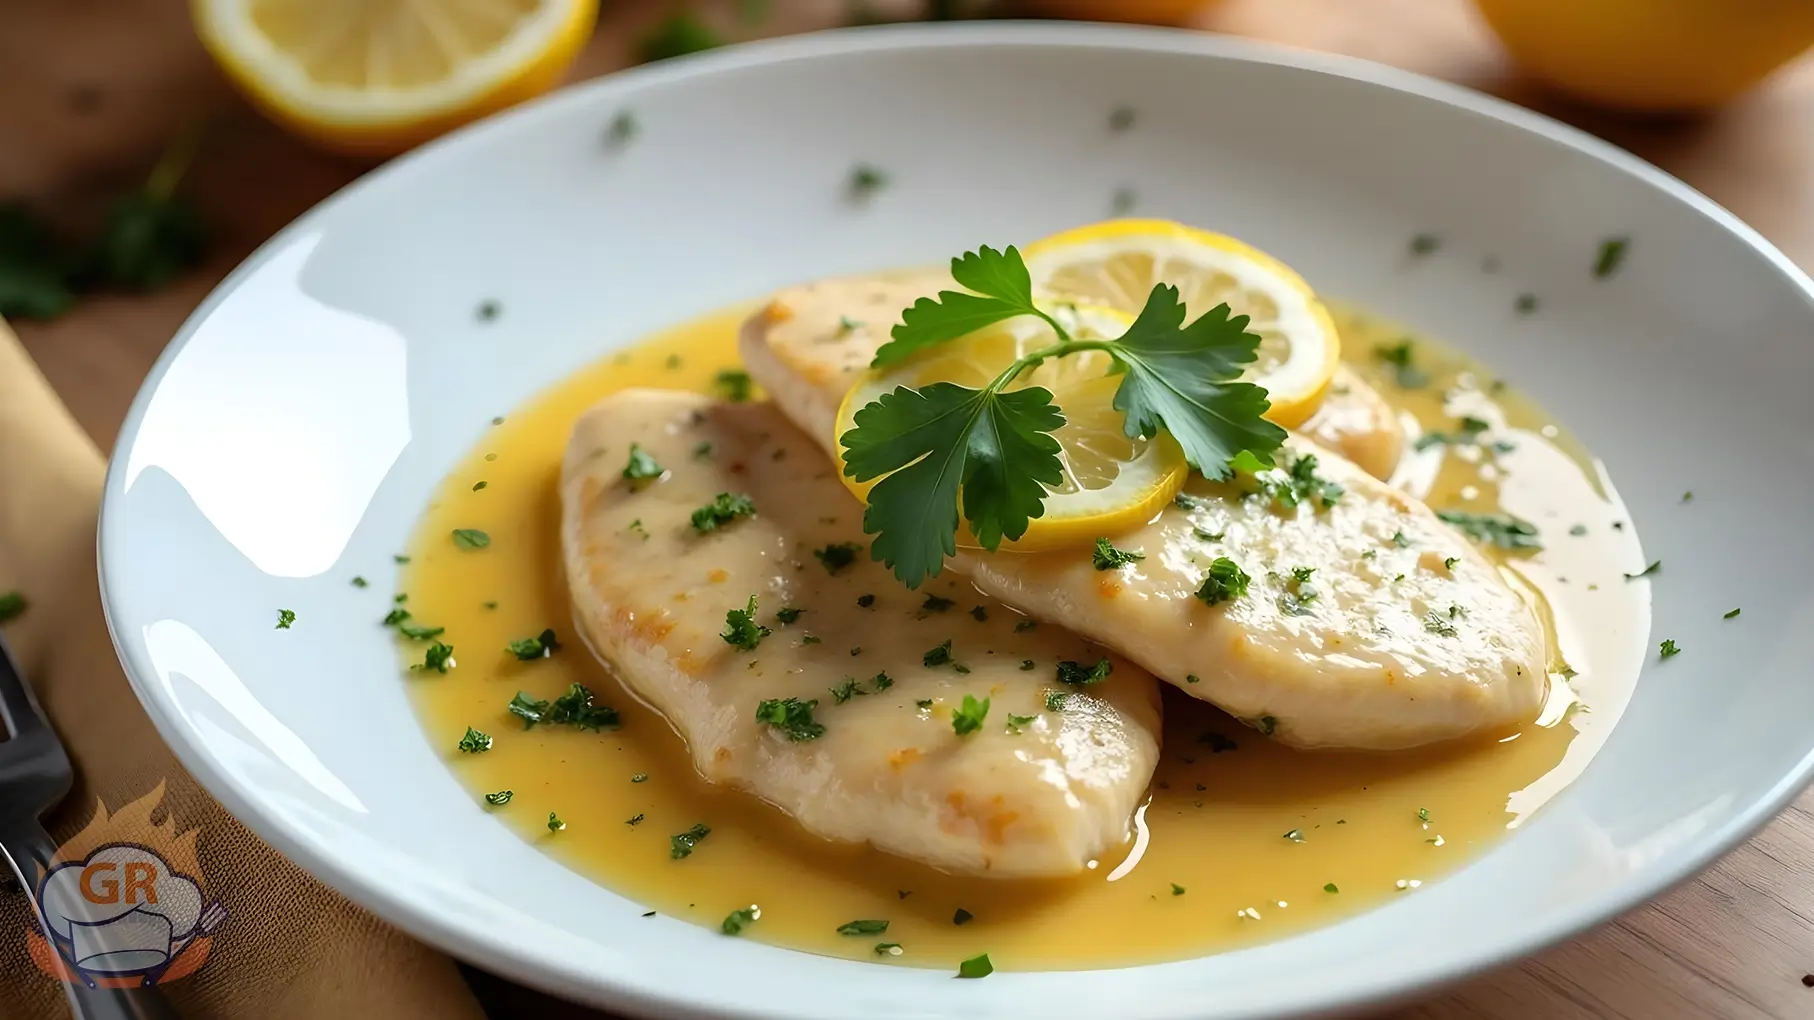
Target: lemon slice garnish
x=377, y=76
x=1111, y=482
x=1116, y=265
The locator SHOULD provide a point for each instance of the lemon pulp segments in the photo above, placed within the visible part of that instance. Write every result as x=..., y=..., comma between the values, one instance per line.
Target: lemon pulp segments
x=376, y=76
x=1116, y=264
x=1111, y=482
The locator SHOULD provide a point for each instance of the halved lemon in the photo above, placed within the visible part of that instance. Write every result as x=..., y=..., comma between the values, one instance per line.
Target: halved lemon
x=1111, y=482
x=375, y=77
x=1116, y=264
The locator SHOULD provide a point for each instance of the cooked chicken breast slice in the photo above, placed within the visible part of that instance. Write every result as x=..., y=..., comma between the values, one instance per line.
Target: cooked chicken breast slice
x=1400, y=634
x=1356, y=422
x=1374, y=660
x=1041, y=788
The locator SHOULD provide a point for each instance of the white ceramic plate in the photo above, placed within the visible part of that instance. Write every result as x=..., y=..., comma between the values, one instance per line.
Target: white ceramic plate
x=292, y=432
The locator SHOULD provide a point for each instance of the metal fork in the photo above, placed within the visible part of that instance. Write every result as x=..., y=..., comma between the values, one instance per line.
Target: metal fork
x=35, y=774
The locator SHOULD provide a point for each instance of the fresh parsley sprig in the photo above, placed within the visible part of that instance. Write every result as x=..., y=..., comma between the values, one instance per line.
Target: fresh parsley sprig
x=990, y=452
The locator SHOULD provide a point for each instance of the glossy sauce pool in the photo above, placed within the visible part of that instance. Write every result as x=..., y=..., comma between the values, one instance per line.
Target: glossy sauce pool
x=1210, y=866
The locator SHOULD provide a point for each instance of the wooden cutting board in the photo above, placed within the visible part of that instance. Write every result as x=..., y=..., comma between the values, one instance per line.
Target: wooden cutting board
x=91, y=89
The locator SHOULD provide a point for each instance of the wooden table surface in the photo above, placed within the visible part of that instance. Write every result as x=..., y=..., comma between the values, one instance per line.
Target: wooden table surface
x=90, y=90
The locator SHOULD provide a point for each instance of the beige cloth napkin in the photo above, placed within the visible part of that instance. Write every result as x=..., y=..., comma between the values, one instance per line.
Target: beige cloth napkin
x=290, y=948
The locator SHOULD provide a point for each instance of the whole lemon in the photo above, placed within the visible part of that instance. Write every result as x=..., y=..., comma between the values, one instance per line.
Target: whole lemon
x=1156, y=12
x=1652, y=55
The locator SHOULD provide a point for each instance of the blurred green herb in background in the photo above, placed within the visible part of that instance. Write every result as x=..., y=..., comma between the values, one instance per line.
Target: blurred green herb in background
x=150, y=236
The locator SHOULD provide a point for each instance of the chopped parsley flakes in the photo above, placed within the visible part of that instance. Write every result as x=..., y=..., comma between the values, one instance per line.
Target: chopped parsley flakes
x=837, y=556
x=737, y=920
x=641, y=467
x=934, y=604
x=500, y=798
x=682, y=844
x=1297, y=483
x=1016, y=723
x=792, y=717
x=575, y=708
x=723, y=509
x=1225, y=582
x=471, y=538
x=554, y=822
x=1437, y=623
x=741, y=629
x=1107, y=557
x=1502, y=530
x=863, y=927
x=937, y=656
x=976, y=967
x=1055, y=700
x=968, y=717
x=866, y=180
x=531, y=648
x=1655, y=566
x=285, y=617
x=1077, y=674
x=475, y=741
x=788, y=614
x=1612, y=255
x=1401, y=357
x=438, y=657
x=1668, y=649
x=733, y=384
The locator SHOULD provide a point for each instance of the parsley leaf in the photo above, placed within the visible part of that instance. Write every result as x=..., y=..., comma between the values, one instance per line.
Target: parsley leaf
x=576, y=708
x=1003, y=289
x=681, y=844
x=1055, y=700
x=741, y=629
x=471, y=538
x=475, y=742
x=1502, y=530
x=641, y=467
x=968, y=717
x=531, y=648
x=862, y=927
x=976, y=967
x=1181, y=377
x=994, y=446
x=793, y=717
x=1612, y=254
x=1297, y=482
x=1668, y=649
x=930, y=442
x=499, y=798
x=1016, y=723
x=439, y=658
x=847, y=689
x=1076, y=673
x=937, y=656
x=1225, y=582
x=1400, y=356
x=733, y=384
x=723, y=509
x=1107, y=557
x=837, y=556
x=285, y=617
x=1655, y=565
x=737, y=920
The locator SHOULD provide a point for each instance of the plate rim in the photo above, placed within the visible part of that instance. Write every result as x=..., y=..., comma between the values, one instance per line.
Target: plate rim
x=621, y=991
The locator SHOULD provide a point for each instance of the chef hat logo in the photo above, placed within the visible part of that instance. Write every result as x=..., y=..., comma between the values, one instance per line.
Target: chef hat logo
x=123, y=902
x=121, y=910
